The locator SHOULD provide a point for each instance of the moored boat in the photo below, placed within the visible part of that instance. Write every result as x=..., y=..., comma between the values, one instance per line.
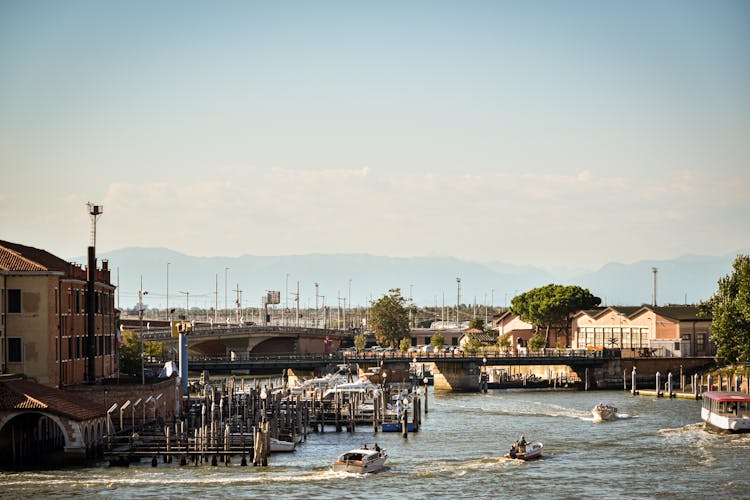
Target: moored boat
x=726, y=410
x=279, y=445
x=603, y=412
x=361, y=460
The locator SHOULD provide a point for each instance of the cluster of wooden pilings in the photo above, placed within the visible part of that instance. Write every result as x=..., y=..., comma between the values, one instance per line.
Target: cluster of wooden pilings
x=696, y=385
x=221, y=421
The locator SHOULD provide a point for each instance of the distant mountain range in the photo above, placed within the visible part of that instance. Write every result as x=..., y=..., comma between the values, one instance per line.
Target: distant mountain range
x=689, y=278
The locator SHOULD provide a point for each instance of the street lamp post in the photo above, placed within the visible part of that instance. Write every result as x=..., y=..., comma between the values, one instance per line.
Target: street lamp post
x=141, y=293
x=168, y=291
x=458, y=298
x=226, y=292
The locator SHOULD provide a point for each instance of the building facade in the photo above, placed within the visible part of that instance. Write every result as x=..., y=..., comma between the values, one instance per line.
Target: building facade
x=643, y=331
x=43, y=325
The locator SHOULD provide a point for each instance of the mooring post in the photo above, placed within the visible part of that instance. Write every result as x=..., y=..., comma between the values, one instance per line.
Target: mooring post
x=659, y=392
x=709, y=383
x=696, y=387
x=669, y=385
x=633, y=383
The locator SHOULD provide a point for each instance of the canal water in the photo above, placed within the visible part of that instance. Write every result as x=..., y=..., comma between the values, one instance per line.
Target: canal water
x=658, y=448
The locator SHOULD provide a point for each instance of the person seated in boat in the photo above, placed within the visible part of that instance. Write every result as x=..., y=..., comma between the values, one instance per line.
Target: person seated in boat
x=377, y=448
x=522, y=444
x=512, y=452
x=364, y=447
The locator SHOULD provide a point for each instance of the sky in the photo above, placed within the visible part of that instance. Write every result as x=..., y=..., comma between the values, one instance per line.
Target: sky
x=555, y=134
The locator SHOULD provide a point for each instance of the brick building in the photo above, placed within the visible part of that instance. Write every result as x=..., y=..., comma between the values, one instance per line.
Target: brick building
x=43, y=325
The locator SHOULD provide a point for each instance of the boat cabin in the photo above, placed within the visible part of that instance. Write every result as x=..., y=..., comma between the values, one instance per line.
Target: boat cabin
x=727, y=410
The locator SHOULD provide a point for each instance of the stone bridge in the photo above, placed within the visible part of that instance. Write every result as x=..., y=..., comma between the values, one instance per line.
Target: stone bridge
x=457, y=372
x=238, y=341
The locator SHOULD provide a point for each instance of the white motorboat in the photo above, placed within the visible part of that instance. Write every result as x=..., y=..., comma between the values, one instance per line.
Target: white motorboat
x=528, y=452
x=726, y=410
x=361, y=460
x=278, y=445
x=603, y=412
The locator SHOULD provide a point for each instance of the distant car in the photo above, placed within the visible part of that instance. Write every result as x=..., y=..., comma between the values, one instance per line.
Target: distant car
x=249, y=323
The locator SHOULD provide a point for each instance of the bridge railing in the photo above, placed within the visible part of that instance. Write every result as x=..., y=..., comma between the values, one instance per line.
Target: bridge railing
x=345, y=356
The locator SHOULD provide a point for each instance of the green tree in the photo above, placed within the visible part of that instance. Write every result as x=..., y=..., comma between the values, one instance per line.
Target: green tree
x=476, y=323
x=504, y=343
x=537, y=342
x=472, y=344
x=404, y=345
x=360, y=341
x=730, y=309
x=438, y=341
x=390, y=318
x=130, y=352
x=552, y=305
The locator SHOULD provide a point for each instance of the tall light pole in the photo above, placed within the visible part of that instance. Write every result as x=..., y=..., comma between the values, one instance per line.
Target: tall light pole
x=226, y=291
x=286, y=299
x=349, y=300
x=168, y=291
x=458, y=297
x=141, y=293
x=317, y=316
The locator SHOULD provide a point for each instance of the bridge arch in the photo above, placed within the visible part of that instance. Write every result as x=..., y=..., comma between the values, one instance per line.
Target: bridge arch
x=33, y=438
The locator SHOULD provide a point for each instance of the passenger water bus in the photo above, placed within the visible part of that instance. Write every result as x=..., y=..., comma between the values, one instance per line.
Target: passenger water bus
x=726, y=410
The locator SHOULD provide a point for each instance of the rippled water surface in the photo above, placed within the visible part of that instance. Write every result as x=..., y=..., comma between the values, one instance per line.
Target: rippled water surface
x=657, y=448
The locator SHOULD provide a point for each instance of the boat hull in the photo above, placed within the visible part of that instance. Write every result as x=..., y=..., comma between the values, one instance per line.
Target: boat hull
x=604, y=414
x=396, y=427
x=357, y=467
x=723, y=423
x=533, y=451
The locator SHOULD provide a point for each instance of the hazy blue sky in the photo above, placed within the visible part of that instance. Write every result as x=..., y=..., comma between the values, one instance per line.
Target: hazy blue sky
x=550, y=133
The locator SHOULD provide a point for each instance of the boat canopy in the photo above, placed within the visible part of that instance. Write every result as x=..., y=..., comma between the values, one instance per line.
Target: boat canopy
x=727, y=396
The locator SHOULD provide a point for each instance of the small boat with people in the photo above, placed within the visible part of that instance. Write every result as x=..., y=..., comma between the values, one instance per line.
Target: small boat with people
x=604, y=412
x=726, y=410
x=361, y=460
x=523, y=450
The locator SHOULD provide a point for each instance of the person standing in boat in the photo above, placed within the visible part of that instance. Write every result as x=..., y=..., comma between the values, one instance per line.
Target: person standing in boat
x=522, y=444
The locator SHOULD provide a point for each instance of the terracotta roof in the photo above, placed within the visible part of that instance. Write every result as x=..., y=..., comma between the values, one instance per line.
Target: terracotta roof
x=40, y=257
x=23, y=394
x=681, y=313
x=11, y=260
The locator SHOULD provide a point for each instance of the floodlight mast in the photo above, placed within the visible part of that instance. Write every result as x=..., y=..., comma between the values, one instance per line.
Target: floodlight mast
x=90, y=372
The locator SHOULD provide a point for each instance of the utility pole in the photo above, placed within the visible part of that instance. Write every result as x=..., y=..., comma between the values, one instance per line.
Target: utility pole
x=141, y=293
x=226, y=292
x=297, y=298
x=317, y=315
x=286, y=300
x=655, y=271
x=167, y=291
x=237, y=302
x=216, y=299
x=349, y=301
x=458, y=298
